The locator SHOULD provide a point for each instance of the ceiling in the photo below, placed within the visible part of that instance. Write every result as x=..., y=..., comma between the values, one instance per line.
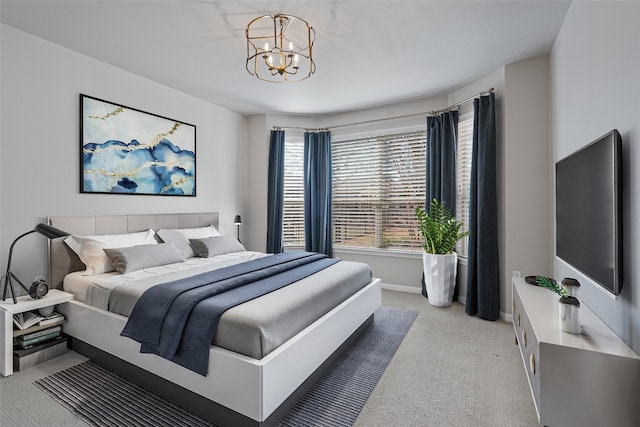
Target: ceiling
x=367, y=52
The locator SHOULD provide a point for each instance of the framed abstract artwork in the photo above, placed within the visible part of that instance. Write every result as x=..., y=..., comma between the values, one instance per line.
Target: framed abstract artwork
x=128, y=151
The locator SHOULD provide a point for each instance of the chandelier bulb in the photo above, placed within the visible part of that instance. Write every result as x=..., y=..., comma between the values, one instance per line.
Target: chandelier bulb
x=266, y=47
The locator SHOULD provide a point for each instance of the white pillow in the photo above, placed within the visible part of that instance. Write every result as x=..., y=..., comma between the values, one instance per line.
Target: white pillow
x=180, y=237
x=90, y=248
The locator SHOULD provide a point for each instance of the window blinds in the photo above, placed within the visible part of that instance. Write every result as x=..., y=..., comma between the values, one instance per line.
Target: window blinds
x=293, y=212
x=463, y=178
x=377, y=184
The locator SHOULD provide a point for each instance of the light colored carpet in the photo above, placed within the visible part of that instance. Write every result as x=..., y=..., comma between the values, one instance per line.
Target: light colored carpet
x=450, y=370
x=23, y=404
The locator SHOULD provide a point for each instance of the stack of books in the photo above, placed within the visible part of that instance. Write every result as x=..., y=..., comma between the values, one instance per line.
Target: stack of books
x=32, y=329
x=39, y=337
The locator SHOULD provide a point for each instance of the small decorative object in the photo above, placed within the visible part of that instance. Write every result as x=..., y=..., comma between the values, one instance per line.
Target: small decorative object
x=572, y=286
x=441, y=231
x=549, y=283
x=569, y=311
x=128, y=151
x=569, y=315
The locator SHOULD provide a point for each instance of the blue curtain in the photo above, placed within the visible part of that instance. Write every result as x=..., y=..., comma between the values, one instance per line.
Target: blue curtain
x=483, y=279
x=442, y=141
x=275, y=192
x=317, y=193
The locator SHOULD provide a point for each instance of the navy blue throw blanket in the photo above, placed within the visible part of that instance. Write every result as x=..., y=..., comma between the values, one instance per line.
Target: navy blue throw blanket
x=177, y=320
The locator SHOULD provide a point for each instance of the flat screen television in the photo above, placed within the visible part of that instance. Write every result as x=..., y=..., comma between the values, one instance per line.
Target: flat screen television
x=588, y=211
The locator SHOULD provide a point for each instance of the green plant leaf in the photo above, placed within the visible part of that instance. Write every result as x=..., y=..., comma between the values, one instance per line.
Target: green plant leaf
x=439, y=229
x=551, y=284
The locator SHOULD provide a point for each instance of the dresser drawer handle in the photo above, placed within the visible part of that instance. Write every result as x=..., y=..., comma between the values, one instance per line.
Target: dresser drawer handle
x=532, y=363
x=524, y=337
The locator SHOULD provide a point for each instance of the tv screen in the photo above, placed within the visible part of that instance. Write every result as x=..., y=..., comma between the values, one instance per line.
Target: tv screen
x=588, y=211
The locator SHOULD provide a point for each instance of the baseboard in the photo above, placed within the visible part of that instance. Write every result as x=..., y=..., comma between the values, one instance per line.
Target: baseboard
x=401, y=288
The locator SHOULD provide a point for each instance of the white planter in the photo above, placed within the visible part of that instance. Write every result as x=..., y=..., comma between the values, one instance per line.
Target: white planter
x=440, y=277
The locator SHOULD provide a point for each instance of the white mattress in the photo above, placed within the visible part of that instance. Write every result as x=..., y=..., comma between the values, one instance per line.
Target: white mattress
x=95, y=290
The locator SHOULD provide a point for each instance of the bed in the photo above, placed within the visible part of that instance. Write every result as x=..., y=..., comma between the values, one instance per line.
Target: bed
x=255, y=380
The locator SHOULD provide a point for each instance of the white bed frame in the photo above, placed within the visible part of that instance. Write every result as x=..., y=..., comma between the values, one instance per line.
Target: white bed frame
x=259, y=392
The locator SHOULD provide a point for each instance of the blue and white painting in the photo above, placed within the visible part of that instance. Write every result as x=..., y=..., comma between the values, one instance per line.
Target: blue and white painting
x=128, y=151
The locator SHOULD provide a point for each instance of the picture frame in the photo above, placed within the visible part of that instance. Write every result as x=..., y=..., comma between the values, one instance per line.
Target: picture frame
x=124, y=150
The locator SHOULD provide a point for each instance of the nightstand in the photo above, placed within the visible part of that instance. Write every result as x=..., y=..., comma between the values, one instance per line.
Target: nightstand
x=8, y=309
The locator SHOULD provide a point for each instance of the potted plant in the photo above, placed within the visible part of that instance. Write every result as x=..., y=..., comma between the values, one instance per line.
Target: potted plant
x=440, y=231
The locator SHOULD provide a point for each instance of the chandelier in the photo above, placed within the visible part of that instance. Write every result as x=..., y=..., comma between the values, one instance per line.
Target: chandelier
x=279, y=48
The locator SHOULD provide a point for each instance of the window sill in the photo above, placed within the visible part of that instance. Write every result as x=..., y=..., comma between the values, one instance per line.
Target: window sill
x=379, y=252
x=386, y=253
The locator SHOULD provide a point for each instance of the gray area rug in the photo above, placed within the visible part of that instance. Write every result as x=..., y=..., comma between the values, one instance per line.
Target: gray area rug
x=104, y=399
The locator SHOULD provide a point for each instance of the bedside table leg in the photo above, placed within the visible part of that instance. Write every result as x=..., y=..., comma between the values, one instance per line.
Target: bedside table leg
x=6, y=345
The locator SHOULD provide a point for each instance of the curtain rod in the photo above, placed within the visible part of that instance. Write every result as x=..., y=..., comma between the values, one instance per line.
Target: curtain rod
x=429, y=113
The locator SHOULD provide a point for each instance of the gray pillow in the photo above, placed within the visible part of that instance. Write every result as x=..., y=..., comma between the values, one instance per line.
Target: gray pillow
x=143, y=256
x=218, y=245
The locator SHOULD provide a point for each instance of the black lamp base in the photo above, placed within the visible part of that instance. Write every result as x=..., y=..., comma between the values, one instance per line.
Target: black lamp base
x=38, y=289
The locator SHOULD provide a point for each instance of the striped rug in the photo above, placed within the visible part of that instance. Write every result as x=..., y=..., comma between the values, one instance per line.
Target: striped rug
x=103, y=399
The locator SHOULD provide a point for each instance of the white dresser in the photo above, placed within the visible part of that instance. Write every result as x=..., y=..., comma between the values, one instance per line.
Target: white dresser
x=591, y=379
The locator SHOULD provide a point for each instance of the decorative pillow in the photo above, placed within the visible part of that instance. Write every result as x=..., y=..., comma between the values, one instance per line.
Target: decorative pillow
x=143, y=256
x=90, y=248
x=180, y=237
x=219, y=245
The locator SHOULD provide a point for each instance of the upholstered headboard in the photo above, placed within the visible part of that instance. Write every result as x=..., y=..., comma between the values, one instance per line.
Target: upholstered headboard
x=63, y=261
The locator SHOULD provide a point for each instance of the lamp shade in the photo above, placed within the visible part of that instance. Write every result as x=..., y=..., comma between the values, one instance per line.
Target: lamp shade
x=237, y=220
x=50, y=232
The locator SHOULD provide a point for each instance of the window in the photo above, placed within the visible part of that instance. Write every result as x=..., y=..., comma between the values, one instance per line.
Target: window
x=293, y=226
x=377, y=184
x=463, y=178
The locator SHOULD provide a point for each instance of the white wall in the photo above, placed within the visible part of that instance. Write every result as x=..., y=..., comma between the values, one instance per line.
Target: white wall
x=40, y=145
x=527, y=174
x=595, y=69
